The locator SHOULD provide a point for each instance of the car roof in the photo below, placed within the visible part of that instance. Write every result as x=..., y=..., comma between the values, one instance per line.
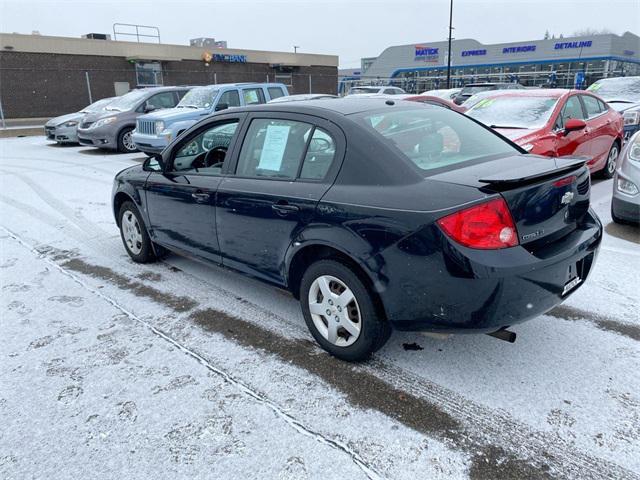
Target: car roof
x=342, y=106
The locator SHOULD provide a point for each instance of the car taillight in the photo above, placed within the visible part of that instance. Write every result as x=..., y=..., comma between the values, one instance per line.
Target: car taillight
x=485, y=226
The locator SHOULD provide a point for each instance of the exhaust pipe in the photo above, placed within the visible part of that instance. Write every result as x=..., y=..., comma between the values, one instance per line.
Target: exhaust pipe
x=504, y=334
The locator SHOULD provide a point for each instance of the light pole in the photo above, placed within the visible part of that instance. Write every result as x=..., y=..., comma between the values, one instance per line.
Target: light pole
x=449, y=49
x=295, y=48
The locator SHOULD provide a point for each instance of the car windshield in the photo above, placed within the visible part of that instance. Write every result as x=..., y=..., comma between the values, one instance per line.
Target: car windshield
x=200, y=97
x=357, y=90
x=128, y=101
x=618, y=89
x=97, y=106
x=471, y=90
x=513, y=111
x=435, y=138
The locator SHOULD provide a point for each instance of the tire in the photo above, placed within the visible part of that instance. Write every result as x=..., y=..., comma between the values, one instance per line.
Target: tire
x=610, y=167
x=350, y=330
x=134, y=235
x=125, y=142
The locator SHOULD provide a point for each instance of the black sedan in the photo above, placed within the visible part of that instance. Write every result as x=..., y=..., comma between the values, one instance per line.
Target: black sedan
x=375, y=213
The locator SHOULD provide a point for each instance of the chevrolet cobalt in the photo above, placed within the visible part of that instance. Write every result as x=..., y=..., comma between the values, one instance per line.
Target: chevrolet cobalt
x=376, y=214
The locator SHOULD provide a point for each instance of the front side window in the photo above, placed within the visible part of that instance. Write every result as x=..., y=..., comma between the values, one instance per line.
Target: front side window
x=273, y=148
x=253, y=96
x=514, y=111
x=572, y=109
x=435, y=138
x=230, y=98
x=161, y=100
x=592, y=106
x=206, y=152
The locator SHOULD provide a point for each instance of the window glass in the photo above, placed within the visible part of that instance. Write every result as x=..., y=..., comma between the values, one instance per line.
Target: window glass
x=435, y=138
x=320, y=154
x=199, y=97
x=162, y=100
x=231, y=98
x=603, y=106
x=275, y=92
x=273, y=148
x=286, y=78
x=207, y=151
x=253, y=96
x=592, y=106
x=572, y=109
x=514, y=111
x=148, y=74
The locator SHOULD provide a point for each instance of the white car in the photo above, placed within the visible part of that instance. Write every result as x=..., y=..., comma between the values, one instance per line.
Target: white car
x=375, y=90
x=446, y=93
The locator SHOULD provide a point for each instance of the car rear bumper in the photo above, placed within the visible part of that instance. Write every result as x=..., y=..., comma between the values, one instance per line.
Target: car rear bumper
x=461, y=290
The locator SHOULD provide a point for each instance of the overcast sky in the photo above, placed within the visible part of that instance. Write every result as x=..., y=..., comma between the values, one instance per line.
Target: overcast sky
x=348, y=28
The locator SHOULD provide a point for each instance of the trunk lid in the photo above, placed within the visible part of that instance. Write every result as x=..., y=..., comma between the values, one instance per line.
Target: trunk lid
x=548, y=197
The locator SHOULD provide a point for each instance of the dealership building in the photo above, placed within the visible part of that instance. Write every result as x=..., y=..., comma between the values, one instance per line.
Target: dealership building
x=44, y=76
x=561, y=62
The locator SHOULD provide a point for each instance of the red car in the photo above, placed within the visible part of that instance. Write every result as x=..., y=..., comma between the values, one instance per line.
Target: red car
x=555, y=123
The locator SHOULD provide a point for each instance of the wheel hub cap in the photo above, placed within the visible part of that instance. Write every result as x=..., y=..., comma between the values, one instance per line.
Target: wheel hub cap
x=334, y=311
x=131, y=232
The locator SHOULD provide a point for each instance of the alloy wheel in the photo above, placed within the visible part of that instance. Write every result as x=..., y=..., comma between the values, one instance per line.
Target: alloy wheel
x=127, y=141
x=611, y=160
x=131, y=232
x=335, y=311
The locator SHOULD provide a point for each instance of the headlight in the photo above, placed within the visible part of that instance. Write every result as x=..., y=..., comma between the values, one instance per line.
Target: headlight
x=72, y=123
x=103, y=121
x=631, y=118
x=159, y=126
x=625, y=186
x=527, y=146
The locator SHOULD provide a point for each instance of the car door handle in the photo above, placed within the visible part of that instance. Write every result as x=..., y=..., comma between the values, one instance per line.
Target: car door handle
x=200, y=197
x=284, y=207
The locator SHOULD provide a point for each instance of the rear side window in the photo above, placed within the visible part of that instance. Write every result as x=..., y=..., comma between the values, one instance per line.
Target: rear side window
x=592, y=106
x=230, y=98
x=319, y=156
x=253, y=96
x=273, y=148
x=435, y=138
x=275, y=92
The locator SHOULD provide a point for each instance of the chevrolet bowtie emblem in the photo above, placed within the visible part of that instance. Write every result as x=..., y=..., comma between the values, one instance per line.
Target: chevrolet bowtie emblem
x=566, y=198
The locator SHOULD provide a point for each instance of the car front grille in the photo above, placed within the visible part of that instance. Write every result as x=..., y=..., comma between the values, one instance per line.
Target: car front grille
x=583, y=187
x=86, y=124
x=146, y=127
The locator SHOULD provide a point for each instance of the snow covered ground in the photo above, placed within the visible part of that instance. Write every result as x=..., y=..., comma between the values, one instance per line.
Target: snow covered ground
x=180, y=370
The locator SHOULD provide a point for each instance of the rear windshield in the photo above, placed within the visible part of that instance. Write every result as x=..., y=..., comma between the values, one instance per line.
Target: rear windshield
x=514, y=111
x=435, y=138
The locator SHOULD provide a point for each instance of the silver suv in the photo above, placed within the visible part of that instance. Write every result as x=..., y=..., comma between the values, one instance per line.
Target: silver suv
x=111, y=129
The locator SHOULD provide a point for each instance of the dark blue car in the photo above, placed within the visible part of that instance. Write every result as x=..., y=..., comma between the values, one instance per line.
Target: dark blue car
x=376, y=214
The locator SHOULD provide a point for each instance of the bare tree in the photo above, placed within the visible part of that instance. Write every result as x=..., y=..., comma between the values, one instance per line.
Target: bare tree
x=586, y=32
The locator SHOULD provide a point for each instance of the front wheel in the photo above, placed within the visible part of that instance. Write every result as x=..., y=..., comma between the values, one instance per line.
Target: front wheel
x=125, y=141
x=340, y=311
x=610, y=167
x=134, y=234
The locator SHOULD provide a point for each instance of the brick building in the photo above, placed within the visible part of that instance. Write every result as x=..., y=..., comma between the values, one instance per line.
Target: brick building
x=43, y=76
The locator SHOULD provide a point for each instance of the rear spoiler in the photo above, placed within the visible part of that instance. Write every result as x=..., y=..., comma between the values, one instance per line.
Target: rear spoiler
x=529, y=173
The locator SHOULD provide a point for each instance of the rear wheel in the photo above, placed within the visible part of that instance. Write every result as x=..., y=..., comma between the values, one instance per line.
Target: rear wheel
x=340, y=311
x=610, y=167
x=125, y=141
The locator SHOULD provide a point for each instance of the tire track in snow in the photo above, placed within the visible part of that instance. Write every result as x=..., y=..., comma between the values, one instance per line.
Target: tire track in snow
x=226, y=376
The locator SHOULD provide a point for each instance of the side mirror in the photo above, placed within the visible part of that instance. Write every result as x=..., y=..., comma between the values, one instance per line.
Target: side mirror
x=221, y=106
x=154, y=163
x=574, y=124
